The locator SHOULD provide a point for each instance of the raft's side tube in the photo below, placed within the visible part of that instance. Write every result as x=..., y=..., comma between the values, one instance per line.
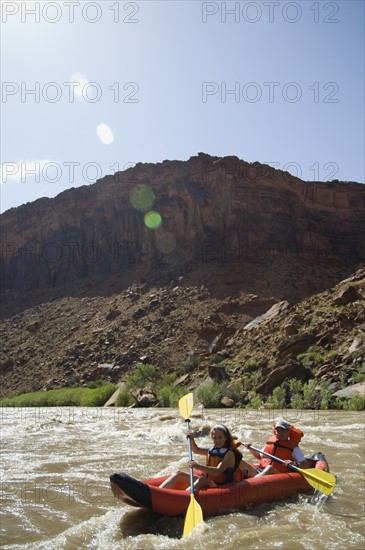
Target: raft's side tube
x=319, y=461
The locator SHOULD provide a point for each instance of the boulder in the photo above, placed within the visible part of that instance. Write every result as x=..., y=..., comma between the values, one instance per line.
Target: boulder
x=347, y=296
x=145, y=397
x=216, y=344
x=217, y=373
x=113, y=314
x=292, y=368
x=275, y=310
x=290, y=329
x=351, y=391
x=112, y=400
x=227, y=402
x=184, y=379
x=296, y=344
x=358, y=343
x=33, y=327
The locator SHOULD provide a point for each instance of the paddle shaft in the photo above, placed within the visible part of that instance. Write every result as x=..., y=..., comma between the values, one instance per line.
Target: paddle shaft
x=291, y=466
x=190, y=458
x=194, y=513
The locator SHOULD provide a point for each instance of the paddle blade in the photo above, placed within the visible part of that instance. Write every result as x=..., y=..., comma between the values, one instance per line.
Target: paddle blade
x=322, y=481
x=194, y=516
x=186, y=405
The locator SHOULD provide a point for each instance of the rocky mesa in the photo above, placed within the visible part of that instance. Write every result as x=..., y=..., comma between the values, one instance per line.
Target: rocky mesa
x=169, y=216
x=166, y=263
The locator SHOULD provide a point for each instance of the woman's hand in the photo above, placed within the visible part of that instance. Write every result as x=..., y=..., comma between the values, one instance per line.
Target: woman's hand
x=247, y=445
x=193, y=464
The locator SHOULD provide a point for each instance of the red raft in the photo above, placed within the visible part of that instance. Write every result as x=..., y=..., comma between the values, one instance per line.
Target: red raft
x=233, y=496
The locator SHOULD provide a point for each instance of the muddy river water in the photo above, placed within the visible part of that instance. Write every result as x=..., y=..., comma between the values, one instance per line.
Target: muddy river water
x=56, y=462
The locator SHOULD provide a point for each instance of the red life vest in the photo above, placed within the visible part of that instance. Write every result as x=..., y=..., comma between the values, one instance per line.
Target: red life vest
x=281, y=449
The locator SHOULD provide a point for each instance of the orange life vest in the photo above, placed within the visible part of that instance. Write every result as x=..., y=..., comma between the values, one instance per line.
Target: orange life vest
x=281, y=449
x=215, y=457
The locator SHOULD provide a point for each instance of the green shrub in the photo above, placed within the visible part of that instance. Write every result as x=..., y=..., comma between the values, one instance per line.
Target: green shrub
x=251, y=365
x=255, y=378
x=169, y=395
x=145, y=375
x=312, y=395
x=297, y=401
x=210, y=395
x=98, y=396
x=125, y=399
x=316, y=395
x=356, y=403
x=359, y=376
x=277, y=399
x=312, y=354
x=64, y=397
x=326, y=398
x=190, y=366
x=215, y=359
x=97, y=384
x=255, y=400
x=332, y=355
x=235, y=391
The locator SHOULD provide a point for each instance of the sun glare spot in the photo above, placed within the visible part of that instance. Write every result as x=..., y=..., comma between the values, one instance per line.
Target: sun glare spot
x=152, y=220
x=142, y=197
x=165, y=241
x=81, y=81
x=105, y=133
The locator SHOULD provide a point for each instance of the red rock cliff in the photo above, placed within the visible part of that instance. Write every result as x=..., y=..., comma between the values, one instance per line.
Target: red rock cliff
x=207, y=209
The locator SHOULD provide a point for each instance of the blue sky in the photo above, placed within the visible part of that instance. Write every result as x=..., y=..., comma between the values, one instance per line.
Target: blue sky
x=92, y=87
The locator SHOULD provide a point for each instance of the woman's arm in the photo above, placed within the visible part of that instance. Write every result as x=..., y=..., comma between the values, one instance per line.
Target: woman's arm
x=194, y=447
x=255, y=454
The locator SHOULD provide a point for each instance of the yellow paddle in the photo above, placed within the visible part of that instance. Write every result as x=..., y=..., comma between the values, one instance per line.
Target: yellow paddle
x=323, y=481
x=194, y=514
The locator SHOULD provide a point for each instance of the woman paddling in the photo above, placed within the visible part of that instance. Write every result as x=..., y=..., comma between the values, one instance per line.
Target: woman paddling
x=222, y=460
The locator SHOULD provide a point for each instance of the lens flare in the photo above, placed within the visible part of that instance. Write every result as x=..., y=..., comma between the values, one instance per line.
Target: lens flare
x=152, y=220
x=142, y=197
x=165, y=241
x=81, y=81
x=105, y=134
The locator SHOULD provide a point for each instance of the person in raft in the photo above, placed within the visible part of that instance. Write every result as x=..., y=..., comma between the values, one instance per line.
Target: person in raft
x=222, y=460
x=283, y=444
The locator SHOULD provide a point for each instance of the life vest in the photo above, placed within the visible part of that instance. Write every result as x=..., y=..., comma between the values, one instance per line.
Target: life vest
x=281, y=449
x=295, y=434
x=215, y=457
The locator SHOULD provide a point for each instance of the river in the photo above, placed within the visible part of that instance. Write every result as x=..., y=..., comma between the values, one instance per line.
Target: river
x=56, y=464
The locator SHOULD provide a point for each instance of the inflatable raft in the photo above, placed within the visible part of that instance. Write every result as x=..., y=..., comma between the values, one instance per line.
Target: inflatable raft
x=234, y=496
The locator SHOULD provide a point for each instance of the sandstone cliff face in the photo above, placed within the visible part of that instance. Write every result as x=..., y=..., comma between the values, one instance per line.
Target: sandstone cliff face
x=162, y=218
